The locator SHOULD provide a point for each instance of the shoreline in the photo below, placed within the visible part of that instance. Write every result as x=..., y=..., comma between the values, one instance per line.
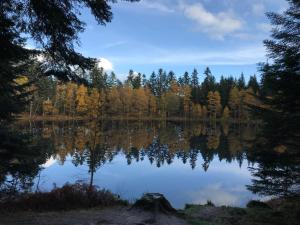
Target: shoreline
x=62, y=118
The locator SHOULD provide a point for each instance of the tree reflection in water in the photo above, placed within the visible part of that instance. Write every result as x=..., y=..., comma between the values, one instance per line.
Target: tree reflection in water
x=94, y=144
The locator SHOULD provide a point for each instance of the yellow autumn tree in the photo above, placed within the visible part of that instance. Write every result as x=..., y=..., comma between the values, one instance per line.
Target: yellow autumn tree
x=113, y=102
x=186, y=91
x=139, y=102
x=234, y=102
x=214, y=104
x=125, y=97
x=94, y=104
x=152, y=104
x=48, y=107
x=71, y=98
x=197, y=110
x=81, y=100
x=226, y=113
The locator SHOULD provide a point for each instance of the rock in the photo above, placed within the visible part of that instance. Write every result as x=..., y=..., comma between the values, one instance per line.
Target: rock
x=154, y=202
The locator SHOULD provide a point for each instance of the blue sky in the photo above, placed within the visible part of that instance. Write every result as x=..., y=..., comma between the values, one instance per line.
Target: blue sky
x=180, y=35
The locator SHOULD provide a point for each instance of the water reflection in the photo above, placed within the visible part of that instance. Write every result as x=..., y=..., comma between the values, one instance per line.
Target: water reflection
x=219, y=155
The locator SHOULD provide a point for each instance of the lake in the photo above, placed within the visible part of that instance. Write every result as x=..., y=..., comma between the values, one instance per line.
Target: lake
x=187, y=162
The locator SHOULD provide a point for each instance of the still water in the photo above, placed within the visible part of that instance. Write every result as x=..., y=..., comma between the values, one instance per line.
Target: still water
x=188, y=163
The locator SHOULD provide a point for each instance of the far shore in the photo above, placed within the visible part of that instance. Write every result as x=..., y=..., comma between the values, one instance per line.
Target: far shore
x=58, y=118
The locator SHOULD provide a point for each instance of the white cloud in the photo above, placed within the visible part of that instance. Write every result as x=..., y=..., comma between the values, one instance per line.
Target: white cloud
x=156, y=6
x=258, y=9
x=217, y=194
x=215, y=25
x=105, y=64
x=49, y=162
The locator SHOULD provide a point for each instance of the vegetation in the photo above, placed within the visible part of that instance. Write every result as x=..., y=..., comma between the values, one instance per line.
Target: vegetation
x=69, y=197
x=162, y=96
x=54, y=26
x=284, y=212
x=281, y=80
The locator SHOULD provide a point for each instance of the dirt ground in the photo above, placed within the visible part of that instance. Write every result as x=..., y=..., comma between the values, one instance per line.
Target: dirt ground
x=109, y=216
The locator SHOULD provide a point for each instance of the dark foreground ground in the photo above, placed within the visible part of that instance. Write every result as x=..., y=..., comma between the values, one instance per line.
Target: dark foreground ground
x=193, y=215
x=83, y=205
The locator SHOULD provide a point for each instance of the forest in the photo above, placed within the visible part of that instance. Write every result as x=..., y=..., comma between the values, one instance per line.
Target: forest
x=161, y=96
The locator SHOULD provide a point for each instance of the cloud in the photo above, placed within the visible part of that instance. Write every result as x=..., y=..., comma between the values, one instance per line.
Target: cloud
x=258, y=9
x=105, y=64
x=156, y=6
x=215, y=25
x=49, y=162
x=217, y=194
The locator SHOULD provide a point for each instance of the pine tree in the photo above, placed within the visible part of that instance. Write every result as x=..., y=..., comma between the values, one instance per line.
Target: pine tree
x=195, y=79
x=209, y=84
x=241, y=82
x=186, y=79
x=253, y=84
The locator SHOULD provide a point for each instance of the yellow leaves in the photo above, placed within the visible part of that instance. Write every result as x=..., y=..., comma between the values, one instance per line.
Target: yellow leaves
x=234, y=98
x=48, y=108
x=114, y=103
x=21, y=80
x=81, y=99
x=214, y=103
x=186, y=91
x=226, y=113
x=197, y=110
x=140, y=101
x=94, y=103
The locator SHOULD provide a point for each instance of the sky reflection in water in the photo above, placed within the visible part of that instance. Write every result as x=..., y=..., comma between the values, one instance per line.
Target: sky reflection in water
x=223, y=183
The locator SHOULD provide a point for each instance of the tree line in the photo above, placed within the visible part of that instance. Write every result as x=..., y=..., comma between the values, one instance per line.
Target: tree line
x=162, y=95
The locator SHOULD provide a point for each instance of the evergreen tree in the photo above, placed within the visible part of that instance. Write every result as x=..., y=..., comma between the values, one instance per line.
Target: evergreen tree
x=99, y=78
x=171, y=77
x=153, y=83
x=282, y=77
x=195, y=79
x=226, y=84
x=241, y=82
x=186, y=79
x=253, y=83
x=137, y=81
x=209, y=84
x=55, y=26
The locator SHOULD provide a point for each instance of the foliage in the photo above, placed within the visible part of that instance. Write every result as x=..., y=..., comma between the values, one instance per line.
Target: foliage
x=162, y=96
x=55, y=27
x=68, y=197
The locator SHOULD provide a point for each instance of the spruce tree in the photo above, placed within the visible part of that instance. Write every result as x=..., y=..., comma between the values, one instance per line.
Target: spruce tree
x=282, y=77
